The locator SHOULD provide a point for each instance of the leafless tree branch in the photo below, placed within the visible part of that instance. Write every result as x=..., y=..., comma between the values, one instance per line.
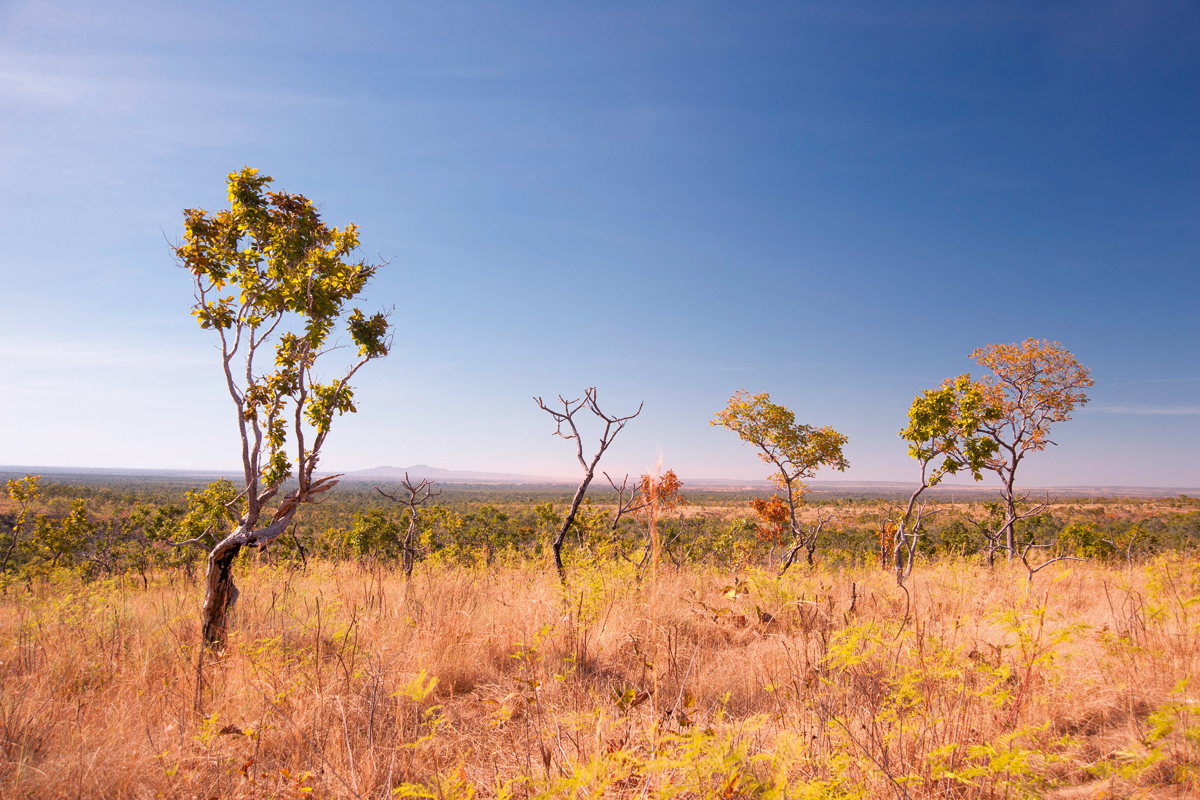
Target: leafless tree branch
x=612, y=426
x=419, y=493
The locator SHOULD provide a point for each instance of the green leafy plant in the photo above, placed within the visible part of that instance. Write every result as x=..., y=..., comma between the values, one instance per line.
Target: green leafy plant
x=945, y=435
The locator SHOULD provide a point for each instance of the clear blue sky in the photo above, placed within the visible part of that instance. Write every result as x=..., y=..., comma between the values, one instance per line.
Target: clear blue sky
x=831, y=202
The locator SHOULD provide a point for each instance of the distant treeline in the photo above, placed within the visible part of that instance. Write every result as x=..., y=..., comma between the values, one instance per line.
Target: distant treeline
x=135, y=527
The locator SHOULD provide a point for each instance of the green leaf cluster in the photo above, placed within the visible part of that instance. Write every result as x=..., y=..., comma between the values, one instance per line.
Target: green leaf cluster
x=946, y=423
x=798, y=450
x=269, y=272
x=208, y=513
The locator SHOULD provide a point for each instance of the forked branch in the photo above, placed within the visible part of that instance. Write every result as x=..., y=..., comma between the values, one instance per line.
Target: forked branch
x=565, y=427
x=805, y=538
x=419, y=493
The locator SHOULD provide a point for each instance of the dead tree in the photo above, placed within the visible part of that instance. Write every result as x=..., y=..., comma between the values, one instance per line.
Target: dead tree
x=612, y=426
x=1126, y=547
x=636, y=502
x=1026, y=548
x=1029, y=546
x=995, y=533
x=418, y=494
x=685, y=549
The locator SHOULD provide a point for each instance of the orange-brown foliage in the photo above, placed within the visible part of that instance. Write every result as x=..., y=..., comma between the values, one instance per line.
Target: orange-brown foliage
x=664, y=491
x=776, y=519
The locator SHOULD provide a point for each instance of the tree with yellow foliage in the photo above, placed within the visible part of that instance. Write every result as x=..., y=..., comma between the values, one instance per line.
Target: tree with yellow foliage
x=1034, y=385
x=945, y=435
x=796, y=451
x=272, y=282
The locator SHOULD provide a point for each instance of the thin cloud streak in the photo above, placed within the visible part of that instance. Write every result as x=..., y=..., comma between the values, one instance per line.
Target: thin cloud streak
x=62, y=356
x=1146, y=409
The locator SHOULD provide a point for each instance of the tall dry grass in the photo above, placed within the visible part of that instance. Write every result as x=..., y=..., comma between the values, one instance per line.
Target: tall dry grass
x=348, y=682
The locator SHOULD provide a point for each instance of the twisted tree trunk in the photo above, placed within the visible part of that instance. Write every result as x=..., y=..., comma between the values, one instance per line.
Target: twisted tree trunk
x=220, y=593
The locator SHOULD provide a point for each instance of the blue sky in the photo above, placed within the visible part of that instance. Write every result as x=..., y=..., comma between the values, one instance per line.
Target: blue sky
x=831, y=202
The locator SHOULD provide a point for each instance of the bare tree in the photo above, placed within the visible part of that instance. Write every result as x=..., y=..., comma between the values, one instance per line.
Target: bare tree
x=644, y=495
x=1003, y=519
x=1125, y=544
x=634, y=504
x=805, y=538
x=418, y=494
x=906, y=534
x=1027, y=547
x=612, y=426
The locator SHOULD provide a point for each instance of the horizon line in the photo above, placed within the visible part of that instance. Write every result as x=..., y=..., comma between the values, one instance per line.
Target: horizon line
x=518, y=479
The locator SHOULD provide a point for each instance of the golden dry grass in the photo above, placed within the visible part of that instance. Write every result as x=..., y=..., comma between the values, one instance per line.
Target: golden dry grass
x=968, y=685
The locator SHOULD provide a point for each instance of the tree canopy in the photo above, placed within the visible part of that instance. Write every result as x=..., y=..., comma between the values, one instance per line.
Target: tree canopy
x=795, y=449
x=1033, y=384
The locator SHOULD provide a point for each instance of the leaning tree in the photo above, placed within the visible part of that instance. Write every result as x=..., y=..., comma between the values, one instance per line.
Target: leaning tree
x=273, y=282
x=796, y=451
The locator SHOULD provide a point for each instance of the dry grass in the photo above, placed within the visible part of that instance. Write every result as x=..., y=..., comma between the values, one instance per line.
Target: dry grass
x=967, y=686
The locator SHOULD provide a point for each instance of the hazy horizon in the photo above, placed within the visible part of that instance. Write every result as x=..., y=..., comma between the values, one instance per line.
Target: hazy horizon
x=462, y=476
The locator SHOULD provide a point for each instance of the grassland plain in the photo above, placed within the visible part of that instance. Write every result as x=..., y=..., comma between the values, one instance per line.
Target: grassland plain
x=346, y=681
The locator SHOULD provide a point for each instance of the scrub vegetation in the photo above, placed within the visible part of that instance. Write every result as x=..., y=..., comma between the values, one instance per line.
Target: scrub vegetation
x=485, y=674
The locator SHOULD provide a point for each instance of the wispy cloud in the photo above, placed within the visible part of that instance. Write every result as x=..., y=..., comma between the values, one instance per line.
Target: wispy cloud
x=26, y=355
x=1146, y=409
x=39, y=88
x=96, y=85
x=1189, y=379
